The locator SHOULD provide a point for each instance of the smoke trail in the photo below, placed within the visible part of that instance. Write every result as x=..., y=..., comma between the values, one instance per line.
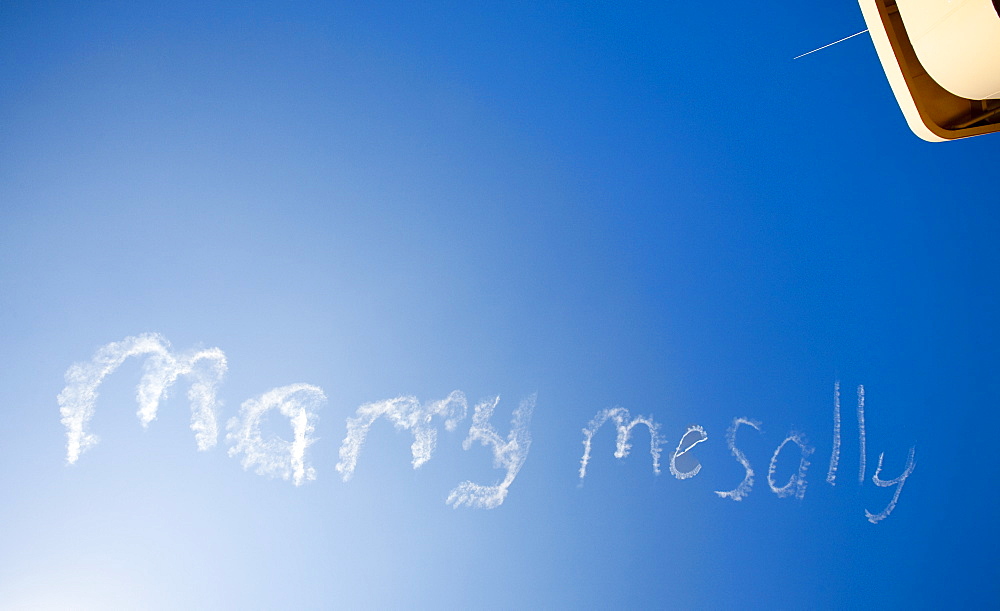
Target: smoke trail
x=703, y=436
x=831, y=475
x=620, y=415
x=744, y=487
x=276, y=456
x=510, y=455
x=161, y=370
x=797, y=482
x=861, y=432
x=832, y=43
x=405, y=413
x=898, y=482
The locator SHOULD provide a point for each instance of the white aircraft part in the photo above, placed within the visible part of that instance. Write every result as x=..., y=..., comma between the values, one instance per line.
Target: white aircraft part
x=957, y=43
x=894, y=73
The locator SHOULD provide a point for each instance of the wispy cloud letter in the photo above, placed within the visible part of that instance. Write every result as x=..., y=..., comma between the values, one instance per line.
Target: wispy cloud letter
x=831, y=475
x=624, y=423
x=746, y=485
x=276, y=456
x=797, y=482
x=509, y=455
x=404, y=413
x=885, y=483
x=694, y=435
x=160, y=371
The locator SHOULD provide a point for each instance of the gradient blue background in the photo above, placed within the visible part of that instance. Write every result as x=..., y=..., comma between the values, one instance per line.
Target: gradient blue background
x=643, y=204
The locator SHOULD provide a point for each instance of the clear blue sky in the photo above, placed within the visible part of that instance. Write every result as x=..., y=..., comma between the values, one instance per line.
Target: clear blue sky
x=646, y=205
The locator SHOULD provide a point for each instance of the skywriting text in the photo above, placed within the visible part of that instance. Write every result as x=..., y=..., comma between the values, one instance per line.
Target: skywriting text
x=275, y=456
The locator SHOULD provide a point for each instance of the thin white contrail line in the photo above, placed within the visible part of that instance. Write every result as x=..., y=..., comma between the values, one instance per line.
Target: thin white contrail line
x=832, y=43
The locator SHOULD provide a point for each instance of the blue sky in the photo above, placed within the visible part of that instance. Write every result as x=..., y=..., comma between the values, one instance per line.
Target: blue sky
x=642, y=205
